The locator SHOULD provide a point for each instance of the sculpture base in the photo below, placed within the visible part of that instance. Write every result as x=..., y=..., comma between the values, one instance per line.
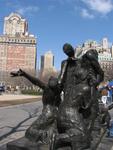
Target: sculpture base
x=25, y=144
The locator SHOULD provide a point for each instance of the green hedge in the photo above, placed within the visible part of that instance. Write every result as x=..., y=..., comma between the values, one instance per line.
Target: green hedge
x=31, y=92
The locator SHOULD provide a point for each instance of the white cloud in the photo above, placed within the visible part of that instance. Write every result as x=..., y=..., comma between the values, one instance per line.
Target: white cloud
x=29, y=9
x=101, y=6
x=86, y=14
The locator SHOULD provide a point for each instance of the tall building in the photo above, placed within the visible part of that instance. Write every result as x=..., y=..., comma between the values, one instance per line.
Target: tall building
x=14, y=24
x=47, y=65
x=17, y=46
x=105, y=44
x=47, y=61
x=112, y=50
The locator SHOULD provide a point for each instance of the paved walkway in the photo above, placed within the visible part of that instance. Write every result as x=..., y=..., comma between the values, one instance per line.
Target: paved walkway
x=8, y=97
x=14, y=120
x=7, y=100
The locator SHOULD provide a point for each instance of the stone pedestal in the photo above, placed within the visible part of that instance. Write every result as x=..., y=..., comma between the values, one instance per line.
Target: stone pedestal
x=25, y=144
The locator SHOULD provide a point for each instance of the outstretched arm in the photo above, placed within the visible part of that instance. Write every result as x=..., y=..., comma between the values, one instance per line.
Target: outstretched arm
x=32, y=79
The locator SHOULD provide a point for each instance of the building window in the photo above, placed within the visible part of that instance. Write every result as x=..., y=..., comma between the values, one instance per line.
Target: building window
x=2, y=54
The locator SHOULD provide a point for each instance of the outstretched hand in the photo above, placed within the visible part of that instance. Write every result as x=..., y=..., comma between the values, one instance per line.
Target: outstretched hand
x=16, y=73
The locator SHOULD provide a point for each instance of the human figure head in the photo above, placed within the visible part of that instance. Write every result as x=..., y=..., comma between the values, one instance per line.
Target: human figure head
x=92, y=54
x=68, y=50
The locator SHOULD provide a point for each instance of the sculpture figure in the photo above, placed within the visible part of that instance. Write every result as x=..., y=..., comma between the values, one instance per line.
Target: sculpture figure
x=45, y=125
x=97, y=75
x=68, y=122
x=78, y=79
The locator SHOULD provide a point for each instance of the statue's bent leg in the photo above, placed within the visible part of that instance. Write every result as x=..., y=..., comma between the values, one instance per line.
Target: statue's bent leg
x=41, y=129
x=75, y=142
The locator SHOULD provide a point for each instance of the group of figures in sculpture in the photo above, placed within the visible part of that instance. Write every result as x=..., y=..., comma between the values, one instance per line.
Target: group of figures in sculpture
x=68, y=122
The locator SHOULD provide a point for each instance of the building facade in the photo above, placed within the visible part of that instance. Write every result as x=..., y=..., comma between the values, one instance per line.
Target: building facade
x=17, y=46
x=47, y=61
x=105, y=52
x=47, y=66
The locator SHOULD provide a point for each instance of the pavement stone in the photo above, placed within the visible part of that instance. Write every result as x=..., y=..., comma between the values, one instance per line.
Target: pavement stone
x=12, y=116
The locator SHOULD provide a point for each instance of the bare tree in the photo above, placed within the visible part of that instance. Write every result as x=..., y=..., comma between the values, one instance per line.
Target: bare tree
x=45, y=74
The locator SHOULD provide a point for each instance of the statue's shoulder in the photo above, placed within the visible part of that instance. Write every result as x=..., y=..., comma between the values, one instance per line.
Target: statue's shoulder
x=91, y=55
x=63, y=62
x=68, y=60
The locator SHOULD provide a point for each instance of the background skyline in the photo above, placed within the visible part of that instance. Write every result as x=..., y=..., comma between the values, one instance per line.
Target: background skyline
x=55, y=22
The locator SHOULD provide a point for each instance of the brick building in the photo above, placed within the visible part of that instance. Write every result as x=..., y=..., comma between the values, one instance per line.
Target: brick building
x=17, y=46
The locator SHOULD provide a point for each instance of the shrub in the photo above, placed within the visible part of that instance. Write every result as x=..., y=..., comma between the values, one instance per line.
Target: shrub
x=31, y=92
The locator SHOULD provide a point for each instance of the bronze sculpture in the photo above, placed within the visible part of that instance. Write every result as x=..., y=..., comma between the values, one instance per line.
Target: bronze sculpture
x=73, y=118
x=42, y=128
x=78, y=79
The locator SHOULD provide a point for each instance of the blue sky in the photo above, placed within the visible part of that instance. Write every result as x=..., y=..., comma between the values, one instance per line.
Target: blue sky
x=55, y=22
